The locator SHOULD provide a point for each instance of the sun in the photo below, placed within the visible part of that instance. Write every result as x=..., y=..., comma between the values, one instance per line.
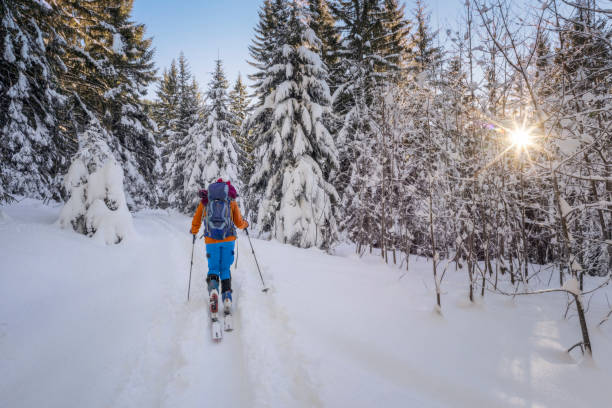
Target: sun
x=520, y=138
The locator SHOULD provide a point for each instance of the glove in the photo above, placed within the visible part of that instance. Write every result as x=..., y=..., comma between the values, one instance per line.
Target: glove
x=247, y=225
x=194, y=238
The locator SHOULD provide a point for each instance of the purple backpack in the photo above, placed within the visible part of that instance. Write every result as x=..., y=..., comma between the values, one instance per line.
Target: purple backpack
x=218, y=222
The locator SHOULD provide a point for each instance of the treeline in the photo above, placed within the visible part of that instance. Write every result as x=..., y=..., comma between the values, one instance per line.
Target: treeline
x=199, y=133
x=364, y=125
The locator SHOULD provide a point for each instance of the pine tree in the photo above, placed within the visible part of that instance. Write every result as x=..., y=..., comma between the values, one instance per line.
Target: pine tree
x=323, y=24
x=296, y=153
x=106, y=70
x=364, y=60
x=80, y=61
x=184, y=141
x=239, y=107
x=29, y=96
x=125, y=110
x=166, y=106
x=372, y=58
x=94, y=182
x=271, y=31
x=426, y=54
x=396, y=35
x=220, y=159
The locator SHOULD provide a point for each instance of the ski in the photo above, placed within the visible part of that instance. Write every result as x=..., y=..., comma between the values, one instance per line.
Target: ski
x=228, y=322
x=215, y=325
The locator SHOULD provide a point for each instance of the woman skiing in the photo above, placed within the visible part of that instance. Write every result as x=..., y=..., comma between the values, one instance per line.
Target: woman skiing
x=221, y=215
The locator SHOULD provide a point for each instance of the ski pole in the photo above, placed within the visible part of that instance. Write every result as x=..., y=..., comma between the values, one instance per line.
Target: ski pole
x=236, y=264
x=191, y=267
x=256, y=263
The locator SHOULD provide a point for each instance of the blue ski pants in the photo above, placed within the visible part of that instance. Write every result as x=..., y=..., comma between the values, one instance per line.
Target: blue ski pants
x=220, y=259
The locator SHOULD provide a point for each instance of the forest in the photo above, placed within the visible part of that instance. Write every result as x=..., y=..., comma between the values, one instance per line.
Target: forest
x=487, y=149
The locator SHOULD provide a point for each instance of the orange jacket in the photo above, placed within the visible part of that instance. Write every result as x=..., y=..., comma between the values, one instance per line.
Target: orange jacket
x=236, y=218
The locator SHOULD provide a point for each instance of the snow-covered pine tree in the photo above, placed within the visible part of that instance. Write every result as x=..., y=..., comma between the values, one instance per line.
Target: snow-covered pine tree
x=271, y=30
x=29, y=98
x=106, y=69
x=184, y=141
x=97, y=204
x=166, y=107
x=359, y=175
x=220, y=148
x=426, y=54
x=371, y=60
x=125, y=113
x=240, y=109
x=296, y=153
x=323, y=24
x=269, y=33
x=396, y=37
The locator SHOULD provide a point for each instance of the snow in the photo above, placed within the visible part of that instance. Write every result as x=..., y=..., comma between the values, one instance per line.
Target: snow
x=4, y=218
x=118, y=44
x=9, y=55
x=572, y=286
x=565, y=207
x=84, y=324
x=43, y=3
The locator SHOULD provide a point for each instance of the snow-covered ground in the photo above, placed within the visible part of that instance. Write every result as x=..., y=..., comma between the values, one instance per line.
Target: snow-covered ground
x=83, y=324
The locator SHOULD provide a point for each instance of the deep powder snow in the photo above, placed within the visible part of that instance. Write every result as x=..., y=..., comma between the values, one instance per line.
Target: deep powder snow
x=88, y=324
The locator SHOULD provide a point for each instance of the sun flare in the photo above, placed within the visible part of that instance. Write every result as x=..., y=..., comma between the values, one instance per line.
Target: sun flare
x=520, y=138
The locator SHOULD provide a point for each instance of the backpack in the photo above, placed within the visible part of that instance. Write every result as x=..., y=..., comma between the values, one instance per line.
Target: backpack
x=218, y=223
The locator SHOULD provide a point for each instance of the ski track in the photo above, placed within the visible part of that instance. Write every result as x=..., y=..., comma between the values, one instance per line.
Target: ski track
x=276, y=367
x=179, y=364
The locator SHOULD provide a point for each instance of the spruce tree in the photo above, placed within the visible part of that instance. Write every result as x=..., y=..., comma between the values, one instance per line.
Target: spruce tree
x=426, y=54
x=372, y=59
x=29, y=97
x=396, y=32
x=323, y=24
x=239, y=107
x=80, y=61
x=296, y=153
x=220, y=158
x=182, y=142
x=125, y=113
x=108, y=66
x=165, y=110
x=271, y=31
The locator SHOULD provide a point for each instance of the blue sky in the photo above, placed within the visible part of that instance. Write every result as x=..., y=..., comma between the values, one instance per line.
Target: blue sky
x=201, y=28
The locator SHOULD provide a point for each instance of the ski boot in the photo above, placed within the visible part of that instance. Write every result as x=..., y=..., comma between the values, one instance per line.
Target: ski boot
x=227, y=302
x=226, y=290
x=213, y=296
x=226, y=295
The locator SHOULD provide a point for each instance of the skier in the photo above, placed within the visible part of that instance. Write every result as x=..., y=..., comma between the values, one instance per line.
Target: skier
x=220, y=213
